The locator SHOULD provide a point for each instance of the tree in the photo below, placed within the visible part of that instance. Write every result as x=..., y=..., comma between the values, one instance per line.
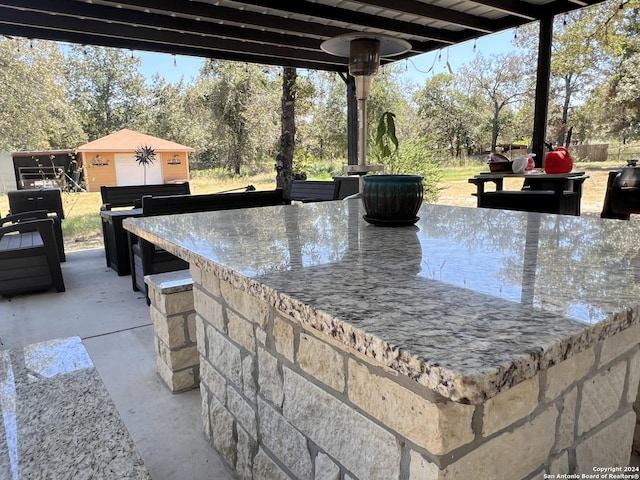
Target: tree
x=583, y=56
x=323, y=131
x=244, y=107
x=449, y=116
x=34, y=113
x=169, y=113
x=284, y=159
x=503, y=81
x=107, y=89
x=617, y=102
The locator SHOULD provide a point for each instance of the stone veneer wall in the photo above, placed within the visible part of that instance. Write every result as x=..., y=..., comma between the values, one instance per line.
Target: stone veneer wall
x=282, y=401
x=174, y=325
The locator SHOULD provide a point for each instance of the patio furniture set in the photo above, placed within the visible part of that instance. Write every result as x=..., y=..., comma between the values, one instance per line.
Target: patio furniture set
x=127, y=255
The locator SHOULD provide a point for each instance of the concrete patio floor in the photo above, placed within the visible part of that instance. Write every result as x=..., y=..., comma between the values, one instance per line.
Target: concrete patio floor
x=113, y=322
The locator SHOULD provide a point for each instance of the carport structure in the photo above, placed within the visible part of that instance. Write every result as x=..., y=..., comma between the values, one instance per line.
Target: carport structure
x=287, y=33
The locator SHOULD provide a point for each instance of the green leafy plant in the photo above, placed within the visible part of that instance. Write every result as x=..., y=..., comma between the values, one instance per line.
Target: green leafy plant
x=145, y=155
x=386, y=140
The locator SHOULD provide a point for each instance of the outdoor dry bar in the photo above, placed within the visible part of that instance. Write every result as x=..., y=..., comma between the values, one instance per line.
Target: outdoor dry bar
x=478, y=340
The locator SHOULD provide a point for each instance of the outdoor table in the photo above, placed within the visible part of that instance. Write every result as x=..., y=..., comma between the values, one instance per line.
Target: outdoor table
x=545, y=193
x=116, y=242
x=478, y=340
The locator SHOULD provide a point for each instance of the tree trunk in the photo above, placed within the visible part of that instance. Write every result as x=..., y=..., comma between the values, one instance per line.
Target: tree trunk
x=284, y=159
x=495, y=127
x=565, y=109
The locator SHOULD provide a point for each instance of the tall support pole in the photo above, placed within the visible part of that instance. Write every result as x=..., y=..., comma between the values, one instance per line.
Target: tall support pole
x=542, y=88
x=352, y=119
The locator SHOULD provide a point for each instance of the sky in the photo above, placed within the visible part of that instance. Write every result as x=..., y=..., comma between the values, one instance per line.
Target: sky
x=418, y=68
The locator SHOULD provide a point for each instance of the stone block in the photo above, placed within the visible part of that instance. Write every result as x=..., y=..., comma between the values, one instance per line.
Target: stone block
x=634, y=378
x=326, y=469
x=213, y=381
x=224, y=355
x=286, y=443
x=514, y=454
x=191, y=328
x=269, y=378
x=244, y=413
x=437, y=427
x=567, y=424
x=222, y=428
x=201, y=339
x=204, y=412
x=209, y=308
x=601, y=395
x=283, y=336
x=249, y=380
x=361, y=445
x=261, y=336
x=241, y=331
x=247, y=449
x=168, y=329
x=560, y=465
x=196, y=273
x=609, y=447
x=636, y=437
x=179, y=381
x=562, y=375
x=421, y=469
x=179, y=359
x=321, y=361
x=178, y=302
x=266, y=469
x=620, y=343
x=211, y=283
x=510, y=406
x=249, y=307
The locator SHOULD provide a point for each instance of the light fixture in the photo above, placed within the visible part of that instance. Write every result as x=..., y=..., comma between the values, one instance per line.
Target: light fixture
x=364, y=51
x=175, y=160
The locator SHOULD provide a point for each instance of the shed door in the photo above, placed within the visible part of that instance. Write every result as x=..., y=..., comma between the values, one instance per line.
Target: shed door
x=129, y=172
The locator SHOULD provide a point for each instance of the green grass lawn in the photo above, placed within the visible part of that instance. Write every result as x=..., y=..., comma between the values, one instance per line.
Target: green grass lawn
x=82, y=225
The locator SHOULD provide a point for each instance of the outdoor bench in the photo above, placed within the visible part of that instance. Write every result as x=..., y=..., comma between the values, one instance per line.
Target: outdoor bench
x=314, y=190
x=147, y=259
x=131, y=195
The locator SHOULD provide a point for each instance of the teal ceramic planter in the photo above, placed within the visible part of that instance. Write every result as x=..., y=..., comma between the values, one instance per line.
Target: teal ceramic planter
x=392, y=200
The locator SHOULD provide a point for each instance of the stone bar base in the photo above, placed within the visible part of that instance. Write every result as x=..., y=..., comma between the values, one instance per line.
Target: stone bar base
x=281, y=401
x=174, y=324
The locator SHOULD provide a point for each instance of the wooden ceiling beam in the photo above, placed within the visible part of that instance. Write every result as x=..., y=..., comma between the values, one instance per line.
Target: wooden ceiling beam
x=80, y=11
x=81, y=38
x=210, y=12
x=160, y=37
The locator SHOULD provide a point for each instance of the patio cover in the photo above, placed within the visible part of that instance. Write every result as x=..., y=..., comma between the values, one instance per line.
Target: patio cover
x=281, y=32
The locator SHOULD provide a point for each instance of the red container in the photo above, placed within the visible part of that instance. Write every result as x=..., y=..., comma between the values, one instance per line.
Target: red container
x=558, y=161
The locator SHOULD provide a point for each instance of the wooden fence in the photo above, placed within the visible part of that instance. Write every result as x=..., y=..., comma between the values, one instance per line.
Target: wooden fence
x=590, y=153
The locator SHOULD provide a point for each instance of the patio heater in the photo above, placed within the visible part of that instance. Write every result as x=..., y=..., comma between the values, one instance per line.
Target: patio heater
x=364, y=51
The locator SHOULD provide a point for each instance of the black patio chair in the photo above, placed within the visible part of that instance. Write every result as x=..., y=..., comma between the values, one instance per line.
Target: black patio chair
x=28, y=254
x=50, y=200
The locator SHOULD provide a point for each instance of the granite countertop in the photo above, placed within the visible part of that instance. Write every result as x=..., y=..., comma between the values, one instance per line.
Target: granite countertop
x=58, y=420
x=468, y=302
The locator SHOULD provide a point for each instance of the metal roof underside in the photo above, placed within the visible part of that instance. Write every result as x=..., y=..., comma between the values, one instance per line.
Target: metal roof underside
x=272, y=32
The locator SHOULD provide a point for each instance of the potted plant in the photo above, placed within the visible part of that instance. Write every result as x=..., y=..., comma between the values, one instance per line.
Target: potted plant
x=391, y=200
x=145, y=155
